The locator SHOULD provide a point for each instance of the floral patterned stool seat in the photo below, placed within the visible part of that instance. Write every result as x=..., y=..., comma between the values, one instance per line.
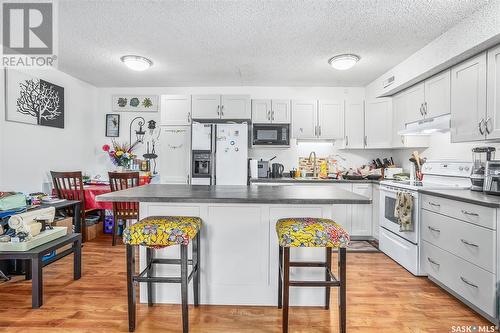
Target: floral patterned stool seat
x=312, y=232
x=157, y=232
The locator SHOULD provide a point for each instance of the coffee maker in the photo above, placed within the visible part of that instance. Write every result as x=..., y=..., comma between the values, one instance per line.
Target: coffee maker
x=480, y=156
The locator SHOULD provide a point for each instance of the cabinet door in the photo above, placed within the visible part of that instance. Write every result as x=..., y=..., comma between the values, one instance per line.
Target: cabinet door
x=468, y=99
x=437, y=95
x=331, y=120
x=361, y=222
x=354, y=125
x=206, y=106
x=235, y=107
x=375, y=209
x=378, y=123
x=261, y=111
x=175, y=155
x=398, y=120
x=304, y=119
x=493, y=103
x=341, y=214
x=175, y=110
x=415, y=98
x=280, y=111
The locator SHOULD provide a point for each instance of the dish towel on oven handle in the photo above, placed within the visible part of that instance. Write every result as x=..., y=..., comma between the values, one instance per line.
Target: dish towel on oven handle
x=403, y=211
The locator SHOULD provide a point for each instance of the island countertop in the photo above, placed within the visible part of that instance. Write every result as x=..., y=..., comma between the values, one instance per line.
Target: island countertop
x=235, y=194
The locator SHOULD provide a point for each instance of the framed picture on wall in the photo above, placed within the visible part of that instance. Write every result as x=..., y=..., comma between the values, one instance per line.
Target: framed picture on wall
x=135, y=103
x=32, y=100
x=113, y=125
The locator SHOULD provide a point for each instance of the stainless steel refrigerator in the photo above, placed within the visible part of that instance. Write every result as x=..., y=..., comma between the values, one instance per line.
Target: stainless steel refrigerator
x=219, y=154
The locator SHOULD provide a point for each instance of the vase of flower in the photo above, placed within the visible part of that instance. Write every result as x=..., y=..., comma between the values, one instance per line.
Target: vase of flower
x=120, y=154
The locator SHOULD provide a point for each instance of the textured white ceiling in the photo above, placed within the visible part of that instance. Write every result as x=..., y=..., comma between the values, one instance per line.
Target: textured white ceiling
x=277, y=43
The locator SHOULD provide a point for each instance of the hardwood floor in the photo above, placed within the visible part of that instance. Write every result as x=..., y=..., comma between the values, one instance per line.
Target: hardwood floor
x=381, y=297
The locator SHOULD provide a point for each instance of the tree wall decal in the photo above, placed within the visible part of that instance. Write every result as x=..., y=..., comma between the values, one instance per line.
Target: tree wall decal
x=39, y=99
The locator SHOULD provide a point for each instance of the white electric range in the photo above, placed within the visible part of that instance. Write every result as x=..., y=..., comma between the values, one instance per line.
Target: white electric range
x=404, y=246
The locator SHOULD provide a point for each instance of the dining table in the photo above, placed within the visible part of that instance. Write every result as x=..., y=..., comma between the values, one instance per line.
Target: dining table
x=91, y=192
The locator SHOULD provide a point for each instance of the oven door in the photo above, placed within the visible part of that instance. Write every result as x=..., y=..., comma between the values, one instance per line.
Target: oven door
x=387, y=219
x=271, y=135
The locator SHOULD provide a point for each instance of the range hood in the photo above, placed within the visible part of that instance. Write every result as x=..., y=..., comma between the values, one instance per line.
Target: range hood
x=428, y=126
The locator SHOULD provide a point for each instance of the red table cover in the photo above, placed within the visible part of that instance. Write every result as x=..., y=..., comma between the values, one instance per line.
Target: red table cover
x=91, y=191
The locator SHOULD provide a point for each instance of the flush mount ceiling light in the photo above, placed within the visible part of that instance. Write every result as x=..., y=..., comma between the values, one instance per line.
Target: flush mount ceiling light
x=343, y=61
x=136, y=63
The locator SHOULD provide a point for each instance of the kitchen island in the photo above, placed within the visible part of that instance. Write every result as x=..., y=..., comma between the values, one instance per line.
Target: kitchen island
x=239, y=246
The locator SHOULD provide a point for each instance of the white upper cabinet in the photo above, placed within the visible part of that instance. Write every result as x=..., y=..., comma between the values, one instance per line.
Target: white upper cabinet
x=414, y=102
x=175, y=110
x=280, y=111
x=266, y=111
x=330, y=120
x=437, y=95
x=206, y=106
x=354, y=125
x=235, y=107
x=468, y=99
x=304, y=119
x=221, y=107
x=261, y=111
x=398, y=120
x=492, y=121
x=378, y=123
x=175, y=166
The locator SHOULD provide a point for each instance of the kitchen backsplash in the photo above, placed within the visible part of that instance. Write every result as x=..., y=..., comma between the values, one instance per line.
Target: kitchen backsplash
x=308, y=165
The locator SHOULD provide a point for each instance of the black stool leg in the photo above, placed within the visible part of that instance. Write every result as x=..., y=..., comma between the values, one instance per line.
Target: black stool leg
x=328, y=263
x=196, y=277
x=286, y=282
x=149, y=273
x=130, y=287
x=280, y=282
x=342, y=291
x=184, y=288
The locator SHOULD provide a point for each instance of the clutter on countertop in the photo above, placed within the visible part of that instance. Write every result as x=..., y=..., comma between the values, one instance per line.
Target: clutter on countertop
x=417, y=162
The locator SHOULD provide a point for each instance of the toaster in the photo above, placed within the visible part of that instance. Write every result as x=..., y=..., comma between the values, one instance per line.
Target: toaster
x=492, y=177
x=263, y=169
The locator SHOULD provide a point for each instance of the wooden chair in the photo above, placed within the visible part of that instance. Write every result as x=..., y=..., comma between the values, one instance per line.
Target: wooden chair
x=123, y=210
x=69, y=186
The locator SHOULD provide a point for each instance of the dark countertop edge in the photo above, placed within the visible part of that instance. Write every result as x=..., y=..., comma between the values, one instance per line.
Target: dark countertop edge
x=313, y=181
x=236, y=200
x=457, y=197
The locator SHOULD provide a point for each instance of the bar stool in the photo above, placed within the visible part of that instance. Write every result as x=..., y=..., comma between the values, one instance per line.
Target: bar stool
x=157, y=232
x=312, y=232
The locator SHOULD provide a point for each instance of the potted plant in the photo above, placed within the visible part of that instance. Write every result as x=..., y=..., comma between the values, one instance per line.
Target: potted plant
x=120, y=154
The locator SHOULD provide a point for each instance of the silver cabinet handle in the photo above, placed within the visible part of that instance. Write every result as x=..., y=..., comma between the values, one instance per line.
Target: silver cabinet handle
x=319, y=130
x=269, y=115
x=433, y=262
x=469, y=213
x=187, y=178
x=402, y=139
x=464, y=280
x=433, y=229
x=480, y=125
x=218, y=110
x=272, y=115
x=468, y=243
x=315, y=130
x=435, y=204
x=425, y=108
x=221, y=110
x=421, y=109
x=366, y=140
x=189, y=117
x=486, y=122
x=346, y=141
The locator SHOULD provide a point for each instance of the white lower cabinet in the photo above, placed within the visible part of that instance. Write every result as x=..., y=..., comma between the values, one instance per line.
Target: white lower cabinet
x=375, y=210
x=361, y=215
x=459, y=250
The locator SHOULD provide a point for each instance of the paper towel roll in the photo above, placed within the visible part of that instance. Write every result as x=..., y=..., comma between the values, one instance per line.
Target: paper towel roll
x=254, y=171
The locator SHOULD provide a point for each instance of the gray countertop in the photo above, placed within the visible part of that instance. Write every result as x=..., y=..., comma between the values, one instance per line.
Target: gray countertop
x=310, y=180
x=236, y=194
x=478, y=198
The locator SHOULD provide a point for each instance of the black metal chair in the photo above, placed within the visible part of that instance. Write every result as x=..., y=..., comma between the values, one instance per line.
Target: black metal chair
x=158, y=232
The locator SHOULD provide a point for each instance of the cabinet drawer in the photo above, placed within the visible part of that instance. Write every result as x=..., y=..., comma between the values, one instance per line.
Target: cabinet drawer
x=483, y=216
x=469, y=281
x=468, y=241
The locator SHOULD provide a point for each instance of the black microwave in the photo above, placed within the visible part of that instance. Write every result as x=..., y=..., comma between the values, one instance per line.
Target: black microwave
x=271, y=134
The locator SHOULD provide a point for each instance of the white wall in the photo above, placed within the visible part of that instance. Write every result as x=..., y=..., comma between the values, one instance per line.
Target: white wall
x=470, y=36
x=288, y=157
x=29, y=152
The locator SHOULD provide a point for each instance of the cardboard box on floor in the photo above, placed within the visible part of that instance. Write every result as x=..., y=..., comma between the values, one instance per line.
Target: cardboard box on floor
x=68, y=223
